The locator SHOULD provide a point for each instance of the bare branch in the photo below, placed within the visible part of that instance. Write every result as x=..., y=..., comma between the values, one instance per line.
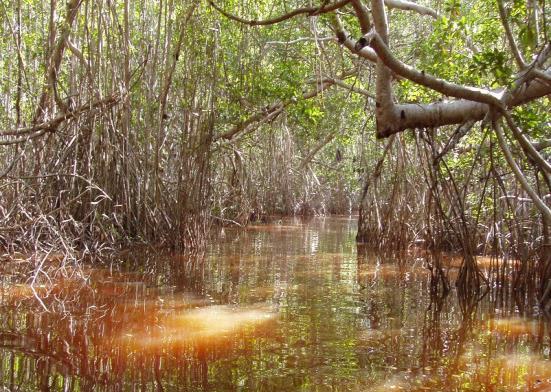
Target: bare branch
x=76, y=51
x=308, y=158
x=366, y=52
x=267, y=114
x=23, y=139
x=11, y=165
x=540, y=204
x=512, y=44
x=370, y=180
x=346, y=86
x=411, y=6
x=363, y=15
x=304, y=39
x=527, y=146
x=56, y=57
x=542, y=145
x=51, y=125
x=456, y=137
x=310, y=11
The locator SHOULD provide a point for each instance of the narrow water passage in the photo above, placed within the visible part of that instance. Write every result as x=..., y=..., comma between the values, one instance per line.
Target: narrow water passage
x=279, y=307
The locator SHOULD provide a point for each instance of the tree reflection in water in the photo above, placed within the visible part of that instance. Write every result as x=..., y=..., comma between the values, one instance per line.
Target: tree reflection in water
x=267, y=309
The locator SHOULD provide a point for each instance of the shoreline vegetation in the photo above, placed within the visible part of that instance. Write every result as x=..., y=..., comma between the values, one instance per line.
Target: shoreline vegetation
x=159, y=123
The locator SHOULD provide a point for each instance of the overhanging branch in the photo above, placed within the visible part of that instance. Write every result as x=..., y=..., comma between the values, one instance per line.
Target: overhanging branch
x=432, y=115
x=311, y=11
x=432, y=82
x=272, y=111
x=411, y=6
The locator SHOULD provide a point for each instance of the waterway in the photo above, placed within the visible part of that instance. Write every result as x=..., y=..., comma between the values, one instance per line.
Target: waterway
x=290, y=306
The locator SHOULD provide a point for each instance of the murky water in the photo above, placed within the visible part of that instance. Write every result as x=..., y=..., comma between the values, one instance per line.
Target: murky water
x=287, y=307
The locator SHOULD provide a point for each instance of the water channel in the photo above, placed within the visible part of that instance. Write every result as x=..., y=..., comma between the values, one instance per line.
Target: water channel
x=290, y=306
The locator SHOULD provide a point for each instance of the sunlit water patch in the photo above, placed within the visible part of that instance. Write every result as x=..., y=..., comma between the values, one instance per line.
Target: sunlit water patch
x=199, y=326
x=284, y=307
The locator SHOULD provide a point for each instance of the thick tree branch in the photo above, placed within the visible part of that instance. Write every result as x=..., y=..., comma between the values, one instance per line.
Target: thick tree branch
x=542, y=145
x=474, y=104
x=355, y=47
x=56, y=57
x=384, y=106
x=432, y=82
x=23, y=139
x=529, y=91
x=393, y=118
x=542, y=76
x=532, y=70
x=380, y=19
x=311, y=11
x=363, y=15
x=411, y=116
x=411, y=6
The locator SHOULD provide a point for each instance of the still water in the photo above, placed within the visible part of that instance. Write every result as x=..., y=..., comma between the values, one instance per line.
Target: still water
x=285, y=307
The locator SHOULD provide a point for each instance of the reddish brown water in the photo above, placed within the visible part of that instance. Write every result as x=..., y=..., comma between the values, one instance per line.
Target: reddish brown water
x=288, y=307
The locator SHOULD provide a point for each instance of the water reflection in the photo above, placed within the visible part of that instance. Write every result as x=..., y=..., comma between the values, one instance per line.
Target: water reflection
x=203, y=325
x=282, y=307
